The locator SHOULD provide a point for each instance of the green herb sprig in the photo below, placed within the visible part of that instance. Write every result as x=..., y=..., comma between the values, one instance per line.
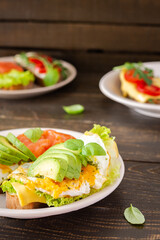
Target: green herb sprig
x=139, y=70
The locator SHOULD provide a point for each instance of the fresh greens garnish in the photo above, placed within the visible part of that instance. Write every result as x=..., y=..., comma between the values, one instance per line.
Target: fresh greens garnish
x=150, y=101
x=73, y=109
x=64, y=71
x=133, y=215
x=93, y=149
x=52, y=74
x=24, y=57
x=74, y=144
x=139, y=70
x=33, y=134
x=90, y=149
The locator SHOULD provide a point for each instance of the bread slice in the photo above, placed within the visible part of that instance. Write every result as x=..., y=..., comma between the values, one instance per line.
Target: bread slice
x=12, y=202
x=19, y=87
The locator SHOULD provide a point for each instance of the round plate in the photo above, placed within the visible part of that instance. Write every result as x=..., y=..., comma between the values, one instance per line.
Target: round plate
x=37, y=90
x=48, y=211
x=110, y=87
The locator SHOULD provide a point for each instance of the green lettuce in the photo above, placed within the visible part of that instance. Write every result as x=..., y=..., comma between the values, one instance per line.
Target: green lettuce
x=15, y=77
x=7, y=186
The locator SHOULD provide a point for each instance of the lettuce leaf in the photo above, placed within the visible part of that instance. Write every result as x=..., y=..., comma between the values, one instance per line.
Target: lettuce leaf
x=7, y=186
x=15, y=77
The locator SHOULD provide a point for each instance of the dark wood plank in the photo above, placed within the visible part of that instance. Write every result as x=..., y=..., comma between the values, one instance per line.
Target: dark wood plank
x=89, y=61
x=80, y=36
x=103, y=220
x=137, y=136
x=109, y=11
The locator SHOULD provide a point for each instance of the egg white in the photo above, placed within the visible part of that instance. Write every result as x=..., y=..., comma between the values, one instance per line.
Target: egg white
x=3, y=175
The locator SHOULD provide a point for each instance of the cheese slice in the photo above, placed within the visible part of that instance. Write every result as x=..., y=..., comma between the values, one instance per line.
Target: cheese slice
x=129, y=89
x=26, y=195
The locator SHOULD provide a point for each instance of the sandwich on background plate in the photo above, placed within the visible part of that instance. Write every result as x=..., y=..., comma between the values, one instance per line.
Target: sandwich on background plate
x=139, y=83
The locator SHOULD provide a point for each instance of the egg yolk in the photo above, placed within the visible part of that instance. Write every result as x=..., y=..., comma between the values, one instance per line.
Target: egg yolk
x=56, y=188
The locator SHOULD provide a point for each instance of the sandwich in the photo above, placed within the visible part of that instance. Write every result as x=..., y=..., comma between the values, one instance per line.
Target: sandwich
x=65, y=173
x=48, y=71
x=139, y=83
x=12, y=77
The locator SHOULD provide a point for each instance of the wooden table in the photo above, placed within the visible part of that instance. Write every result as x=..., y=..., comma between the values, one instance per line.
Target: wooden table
x=138, y=139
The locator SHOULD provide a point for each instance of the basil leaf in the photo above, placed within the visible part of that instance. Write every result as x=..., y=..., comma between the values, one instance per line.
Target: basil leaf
x=74, y=144
x=93, y=149
x=33, y=134
x=73, y=109
x=133, y=215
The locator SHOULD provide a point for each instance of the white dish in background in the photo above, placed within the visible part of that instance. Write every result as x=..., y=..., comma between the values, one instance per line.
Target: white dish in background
x=110, y=87
x=37, y=90
x=49, y=211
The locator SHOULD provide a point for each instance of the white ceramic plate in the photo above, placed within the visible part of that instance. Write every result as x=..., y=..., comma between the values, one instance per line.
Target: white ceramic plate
x=44, y=212
x=37, y=90
x=110, y=87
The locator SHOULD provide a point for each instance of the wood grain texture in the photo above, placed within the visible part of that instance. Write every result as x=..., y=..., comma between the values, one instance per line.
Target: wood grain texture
x=108, y=11
x=80, y=36
x=103, y=220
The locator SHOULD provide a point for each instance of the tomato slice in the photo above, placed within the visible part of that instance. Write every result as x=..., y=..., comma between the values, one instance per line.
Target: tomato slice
x=129, y=76
x=150, y=90
x=38, y=64
x=141, y=85
x=48, y=139
x=6, y=67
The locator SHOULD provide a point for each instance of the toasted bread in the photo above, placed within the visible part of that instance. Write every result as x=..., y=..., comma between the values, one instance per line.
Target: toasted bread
x=19, y=87
x=12, y=202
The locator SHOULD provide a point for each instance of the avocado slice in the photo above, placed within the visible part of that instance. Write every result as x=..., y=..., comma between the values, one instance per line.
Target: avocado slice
x=18, y=144
x=5, y=146
x=5, y=162
x=71, y=163
x=54, y=168
x=9, y=157
x=70, y=154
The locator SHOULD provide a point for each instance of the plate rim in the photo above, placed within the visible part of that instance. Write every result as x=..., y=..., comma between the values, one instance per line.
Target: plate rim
x=36, y=90
x=121, y=99
x=50, y=211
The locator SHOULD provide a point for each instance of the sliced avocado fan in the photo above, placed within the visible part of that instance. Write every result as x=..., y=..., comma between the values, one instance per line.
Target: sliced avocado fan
x=57, y=163
x=20, y=146
x=6, y=147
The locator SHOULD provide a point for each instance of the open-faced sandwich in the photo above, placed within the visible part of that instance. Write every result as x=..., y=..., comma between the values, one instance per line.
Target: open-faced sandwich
x=48, y=71
x=139, y=83
x=66, y=172
x=29, y=68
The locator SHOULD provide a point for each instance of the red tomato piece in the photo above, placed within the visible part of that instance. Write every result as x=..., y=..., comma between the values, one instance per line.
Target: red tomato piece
x=129, y=76
x=150, y=90
x=6, y=67
x=38, y=64
x=49, y=138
